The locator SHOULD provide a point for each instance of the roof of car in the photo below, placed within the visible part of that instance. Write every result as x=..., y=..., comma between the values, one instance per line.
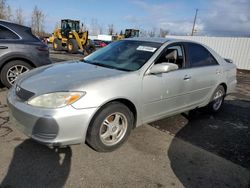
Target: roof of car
x=12, y=25
x=18, y=29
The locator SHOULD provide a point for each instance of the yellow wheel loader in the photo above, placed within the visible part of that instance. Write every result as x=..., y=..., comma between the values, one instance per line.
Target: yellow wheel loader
x=129, y=33
x=70, y=37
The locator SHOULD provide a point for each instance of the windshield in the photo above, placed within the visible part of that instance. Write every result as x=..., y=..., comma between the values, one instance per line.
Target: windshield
x=123, y=55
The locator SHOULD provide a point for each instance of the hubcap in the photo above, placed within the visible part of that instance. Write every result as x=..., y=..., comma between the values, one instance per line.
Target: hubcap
x=218, y=98
x=14, y=72
x=113, y=129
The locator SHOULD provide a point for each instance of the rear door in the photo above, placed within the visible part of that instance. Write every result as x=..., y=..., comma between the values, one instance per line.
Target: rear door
x=203, y=73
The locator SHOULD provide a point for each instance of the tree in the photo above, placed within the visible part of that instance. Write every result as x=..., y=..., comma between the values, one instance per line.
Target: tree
x=83, y=27
x=2, y=9
x=100, y=29
x=110, y=29
x=5, y=11
x=152, y=33
x=121, y=33
x=163, y=32
x=94, y=27
x=18, y=18
x=37, y=21
x=8, y=13
x=143, y=33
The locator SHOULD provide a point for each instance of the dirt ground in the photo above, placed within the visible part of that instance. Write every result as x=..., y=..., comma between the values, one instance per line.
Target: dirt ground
x=198, y=150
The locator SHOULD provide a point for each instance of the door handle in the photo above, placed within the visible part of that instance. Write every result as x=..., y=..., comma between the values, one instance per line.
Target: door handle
x=3, y=47
x=187, y=77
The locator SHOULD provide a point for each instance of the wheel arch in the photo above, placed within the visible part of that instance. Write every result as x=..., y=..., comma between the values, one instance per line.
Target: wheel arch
x=224, y=85
x=5, y=61
x=123, y=101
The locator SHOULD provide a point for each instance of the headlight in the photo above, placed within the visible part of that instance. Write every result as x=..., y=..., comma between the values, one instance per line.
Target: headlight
x=56, y=100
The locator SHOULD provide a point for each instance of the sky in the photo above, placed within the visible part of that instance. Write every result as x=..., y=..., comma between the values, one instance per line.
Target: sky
x=214, y=18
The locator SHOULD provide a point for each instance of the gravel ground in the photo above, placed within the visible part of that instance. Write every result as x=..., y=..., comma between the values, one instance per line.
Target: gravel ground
x=197, y=150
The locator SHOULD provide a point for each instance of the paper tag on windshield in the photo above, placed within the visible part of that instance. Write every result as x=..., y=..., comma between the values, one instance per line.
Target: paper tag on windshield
x=146, y=48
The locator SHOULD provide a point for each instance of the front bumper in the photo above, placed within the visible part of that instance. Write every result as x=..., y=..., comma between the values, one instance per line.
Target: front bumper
x=52, y=127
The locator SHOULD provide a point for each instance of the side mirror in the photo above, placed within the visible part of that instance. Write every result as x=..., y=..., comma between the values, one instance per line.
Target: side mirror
x=163, y=68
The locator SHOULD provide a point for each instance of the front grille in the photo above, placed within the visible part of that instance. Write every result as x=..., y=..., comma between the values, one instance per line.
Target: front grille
x=23, y=94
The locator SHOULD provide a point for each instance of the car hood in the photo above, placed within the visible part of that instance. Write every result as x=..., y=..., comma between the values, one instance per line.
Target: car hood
x=67, y=76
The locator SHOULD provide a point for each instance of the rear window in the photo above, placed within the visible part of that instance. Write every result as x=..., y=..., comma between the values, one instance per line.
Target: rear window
x=7, y=34
x=31, y=35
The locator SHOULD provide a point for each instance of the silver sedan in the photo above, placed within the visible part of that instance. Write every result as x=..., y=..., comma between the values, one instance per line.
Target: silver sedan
x=101, y=98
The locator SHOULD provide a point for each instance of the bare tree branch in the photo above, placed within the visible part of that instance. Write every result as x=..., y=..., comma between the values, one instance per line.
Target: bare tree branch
x=2, y=9
x=94, y=27
x=152, y=33
x=111, y=29
x=19, y=18
x=8, y=13
x=37, y=21
x=163, y=32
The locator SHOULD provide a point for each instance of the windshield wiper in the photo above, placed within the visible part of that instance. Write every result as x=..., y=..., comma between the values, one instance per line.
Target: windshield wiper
x=103, y=65
x=85, y=61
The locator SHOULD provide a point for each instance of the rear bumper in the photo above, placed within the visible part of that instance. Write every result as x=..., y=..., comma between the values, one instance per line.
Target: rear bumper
x=52, y=127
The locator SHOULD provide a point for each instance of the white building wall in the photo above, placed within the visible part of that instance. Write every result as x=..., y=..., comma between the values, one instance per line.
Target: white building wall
x=237, y=49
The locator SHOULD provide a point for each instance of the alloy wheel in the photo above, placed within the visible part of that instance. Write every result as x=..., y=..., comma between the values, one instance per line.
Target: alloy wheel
x=113, y=129
x=15, y=71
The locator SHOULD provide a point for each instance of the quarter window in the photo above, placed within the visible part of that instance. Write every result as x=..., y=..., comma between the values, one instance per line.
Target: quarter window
x=199, y=56
x=7, y=34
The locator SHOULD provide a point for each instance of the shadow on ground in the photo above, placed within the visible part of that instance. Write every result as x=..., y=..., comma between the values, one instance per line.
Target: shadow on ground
x=226, y=134
x=34, y=165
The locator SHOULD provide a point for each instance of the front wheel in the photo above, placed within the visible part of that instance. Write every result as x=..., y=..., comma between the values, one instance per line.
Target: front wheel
x=57, y=44
x=217, y=99
x=110, y=127
x=72, y=46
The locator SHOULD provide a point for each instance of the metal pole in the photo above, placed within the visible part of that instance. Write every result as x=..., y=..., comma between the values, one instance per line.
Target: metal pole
x=196, y=11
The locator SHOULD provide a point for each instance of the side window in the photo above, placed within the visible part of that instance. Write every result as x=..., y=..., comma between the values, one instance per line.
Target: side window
x=7, y=34
x=198, y=56
x=172, y=54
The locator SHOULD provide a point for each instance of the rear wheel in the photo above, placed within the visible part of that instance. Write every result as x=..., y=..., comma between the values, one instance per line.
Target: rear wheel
x=57, y=44
x=110, y=128
x=12, y=70
x=72, y=46
x=217, y=100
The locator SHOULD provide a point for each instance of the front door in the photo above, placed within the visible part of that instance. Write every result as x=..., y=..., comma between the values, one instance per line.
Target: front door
x=166, y=93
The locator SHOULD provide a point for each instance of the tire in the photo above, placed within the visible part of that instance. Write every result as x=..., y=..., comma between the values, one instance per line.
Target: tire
x=72, y=46
x=104, y=135
x=90, y=49
x=57, y=44
x=217, y=100
x=12, y=70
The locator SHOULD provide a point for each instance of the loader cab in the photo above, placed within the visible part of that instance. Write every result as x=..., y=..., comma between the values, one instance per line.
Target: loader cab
x=130, y=33
x=69, y=25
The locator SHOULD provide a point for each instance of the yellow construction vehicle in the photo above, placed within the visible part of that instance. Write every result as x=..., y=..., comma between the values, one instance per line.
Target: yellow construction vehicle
x=70, y=37
x=129, y=33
